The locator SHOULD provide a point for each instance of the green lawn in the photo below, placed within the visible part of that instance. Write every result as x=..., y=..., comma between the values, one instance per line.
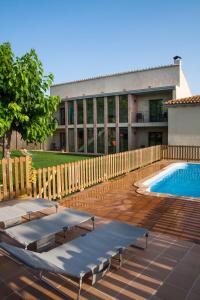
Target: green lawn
x=48, y=159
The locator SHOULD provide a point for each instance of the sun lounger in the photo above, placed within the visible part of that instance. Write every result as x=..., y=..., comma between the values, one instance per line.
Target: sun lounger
x=42, y=231
x=87, y=255
x=12, y=213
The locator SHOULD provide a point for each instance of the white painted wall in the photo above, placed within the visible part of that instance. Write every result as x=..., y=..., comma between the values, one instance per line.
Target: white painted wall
x=183, y=89
x=184, y=125
x=156, y=77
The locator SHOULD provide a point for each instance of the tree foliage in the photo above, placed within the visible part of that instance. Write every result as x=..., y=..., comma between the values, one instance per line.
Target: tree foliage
x=24, y=104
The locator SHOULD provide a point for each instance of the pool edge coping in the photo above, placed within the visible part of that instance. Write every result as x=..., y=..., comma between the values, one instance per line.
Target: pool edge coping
x=142, y=189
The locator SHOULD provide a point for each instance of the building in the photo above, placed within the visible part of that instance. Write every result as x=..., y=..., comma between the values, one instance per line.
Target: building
x=118, y=112
x=184, y=121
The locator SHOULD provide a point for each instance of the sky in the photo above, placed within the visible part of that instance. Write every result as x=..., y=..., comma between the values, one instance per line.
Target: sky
x=77, y=39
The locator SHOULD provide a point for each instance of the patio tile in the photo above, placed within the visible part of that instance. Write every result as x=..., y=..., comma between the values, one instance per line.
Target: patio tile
x=39, y=290
x=171, y=292
x=182, y=280
x=4, y=290
x=196, y=287
x=193, y=296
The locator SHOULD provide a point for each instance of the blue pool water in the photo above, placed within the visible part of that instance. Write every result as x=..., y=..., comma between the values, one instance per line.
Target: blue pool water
x=182, y=180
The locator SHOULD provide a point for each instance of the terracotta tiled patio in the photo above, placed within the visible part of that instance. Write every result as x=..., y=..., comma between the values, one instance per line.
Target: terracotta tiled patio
x=169, y=269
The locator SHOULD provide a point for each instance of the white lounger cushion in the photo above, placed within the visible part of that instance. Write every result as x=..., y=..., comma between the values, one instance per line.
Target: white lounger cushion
x=35, y=230
x=84, y=254
x=10, y=215
x=15, y=210
x=35, y=205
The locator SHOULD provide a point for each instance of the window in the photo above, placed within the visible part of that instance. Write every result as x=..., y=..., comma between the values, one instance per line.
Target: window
x=62, y=140
x=111, y=109
x=123, y=139
x=155, y=138
x=111, y=140
x=156, y=111
x=89, y=109
x=90, y=140
x=71, y=140
x=70, y=112
x=100, y=140
x=123, y=109
x=62, y=116
x=80, y=139
x=80, y=111
x=100, y=110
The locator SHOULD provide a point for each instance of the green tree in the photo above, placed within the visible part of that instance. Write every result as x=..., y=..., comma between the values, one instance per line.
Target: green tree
x=25, y=106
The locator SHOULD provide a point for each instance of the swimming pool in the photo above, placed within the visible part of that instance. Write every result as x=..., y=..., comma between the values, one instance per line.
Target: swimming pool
x=178, y=179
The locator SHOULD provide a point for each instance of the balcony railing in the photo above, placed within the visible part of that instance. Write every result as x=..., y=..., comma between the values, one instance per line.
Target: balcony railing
x=146, y=117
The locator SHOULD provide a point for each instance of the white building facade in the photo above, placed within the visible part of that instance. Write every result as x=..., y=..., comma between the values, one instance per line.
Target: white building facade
x=119, y=112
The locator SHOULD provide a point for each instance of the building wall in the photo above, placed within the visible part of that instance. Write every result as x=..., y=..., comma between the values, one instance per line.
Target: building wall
x=168, y=82
x=183, y=89
x=184, y=125
x=18, y=143
x=133, y=102
x=143, y=101
x=157, y=77
x=142, y=135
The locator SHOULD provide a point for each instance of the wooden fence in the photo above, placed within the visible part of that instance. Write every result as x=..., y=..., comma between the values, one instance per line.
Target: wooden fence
x=58, y=181
x=15, y=177
x=181, y=152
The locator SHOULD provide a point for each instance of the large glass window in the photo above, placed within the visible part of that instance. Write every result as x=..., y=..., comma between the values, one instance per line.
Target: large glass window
x=62, y=140
x=111, y=140
x=156, y=111
x=100, y=110
x=80, y=139
x=71, y=112
x=155, y=138
x=71, y=140
x=90, y=140
x=100, y=140
x=123, y=108
x=89, y=109
x=123, y=139
x=62, y=116
x=111, y=109
x=80, y=111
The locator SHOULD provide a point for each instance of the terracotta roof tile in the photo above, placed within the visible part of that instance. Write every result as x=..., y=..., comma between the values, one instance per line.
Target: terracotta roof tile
x=188, y=100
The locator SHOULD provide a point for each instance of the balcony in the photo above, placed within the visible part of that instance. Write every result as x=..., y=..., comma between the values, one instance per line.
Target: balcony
x=145, y=119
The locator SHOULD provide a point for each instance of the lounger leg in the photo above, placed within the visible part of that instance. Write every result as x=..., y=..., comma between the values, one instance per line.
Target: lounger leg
x=120, y=258
x=80, y=287
x=92, y=222
x=29, y=215
x=147, y=235
x=47, y=282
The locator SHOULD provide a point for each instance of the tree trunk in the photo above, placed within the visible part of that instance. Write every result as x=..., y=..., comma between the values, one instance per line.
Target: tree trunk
x=3, y=146
x=6, y=146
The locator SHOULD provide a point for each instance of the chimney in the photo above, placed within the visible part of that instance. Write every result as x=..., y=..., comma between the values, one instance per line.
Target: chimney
x=177, y=60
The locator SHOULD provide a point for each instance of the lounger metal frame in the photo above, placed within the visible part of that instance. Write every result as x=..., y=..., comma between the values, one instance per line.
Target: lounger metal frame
x=97, y=273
